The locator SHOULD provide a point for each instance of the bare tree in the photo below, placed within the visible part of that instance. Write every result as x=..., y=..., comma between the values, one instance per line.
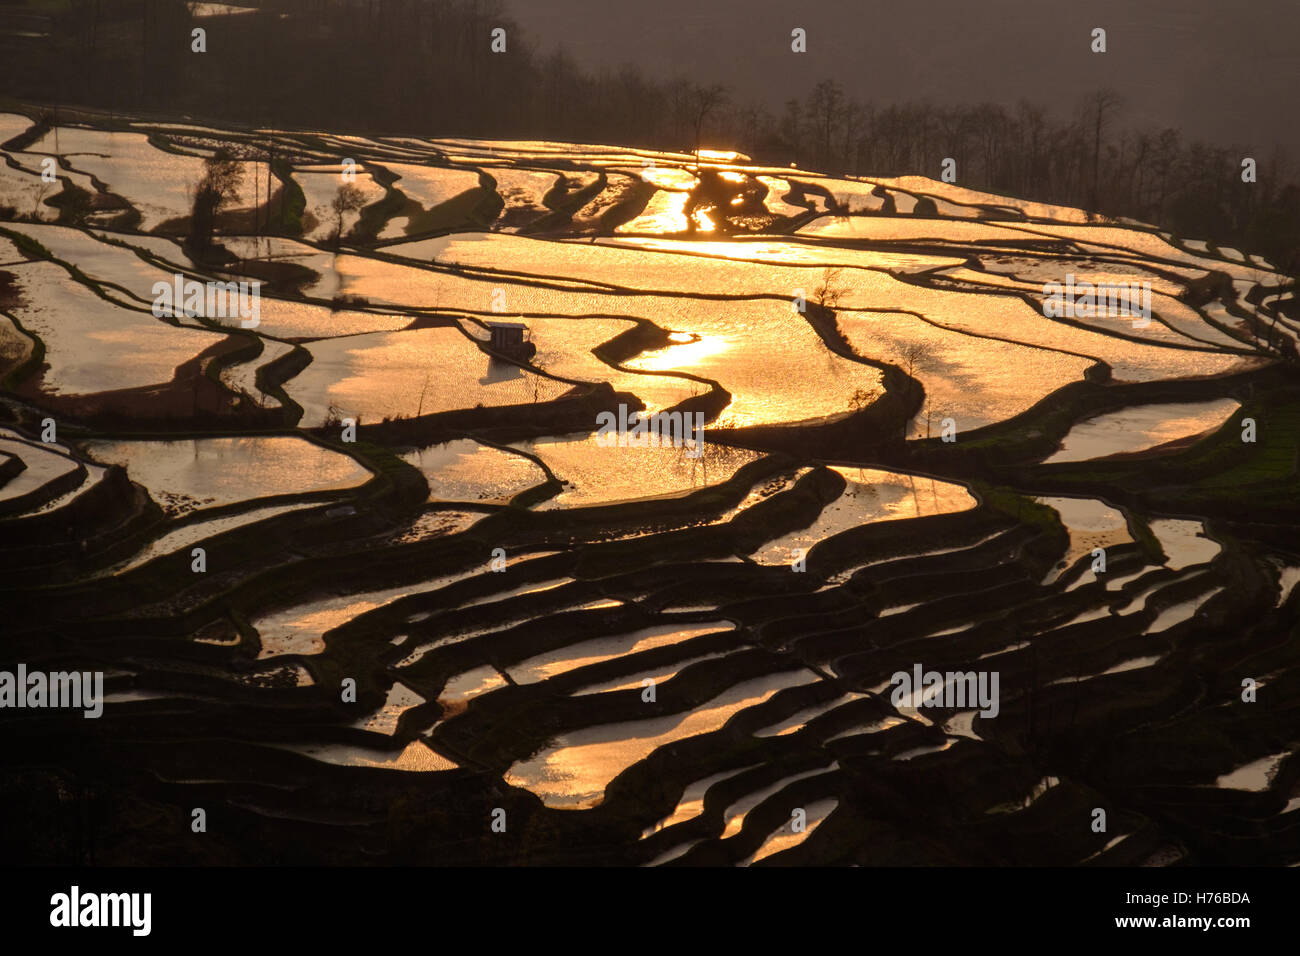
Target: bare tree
x=348, y=199
x=217, y=189
x=832, y=288
x=826, y=105
x=913, y=355
x=931, y=412
x=702, y=102
x=1097, y=110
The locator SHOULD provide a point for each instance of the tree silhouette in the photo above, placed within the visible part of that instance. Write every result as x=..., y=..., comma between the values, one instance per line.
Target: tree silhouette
x=348, y=199
x=216, y=190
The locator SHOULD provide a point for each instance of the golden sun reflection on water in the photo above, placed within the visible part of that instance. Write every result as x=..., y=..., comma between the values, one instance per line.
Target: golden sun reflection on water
x=683, y=355
x=668, y=177
x=720, y=155
x=665, y=213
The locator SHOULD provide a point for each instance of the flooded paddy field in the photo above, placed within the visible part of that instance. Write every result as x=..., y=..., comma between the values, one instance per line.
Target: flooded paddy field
x=540, y=483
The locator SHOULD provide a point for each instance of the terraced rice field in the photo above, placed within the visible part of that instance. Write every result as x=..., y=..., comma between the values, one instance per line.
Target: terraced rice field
x=362, y=574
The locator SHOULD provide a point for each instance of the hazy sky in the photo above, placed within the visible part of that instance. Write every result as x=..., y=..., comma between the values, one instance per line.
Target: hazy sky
x=1224, y=71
